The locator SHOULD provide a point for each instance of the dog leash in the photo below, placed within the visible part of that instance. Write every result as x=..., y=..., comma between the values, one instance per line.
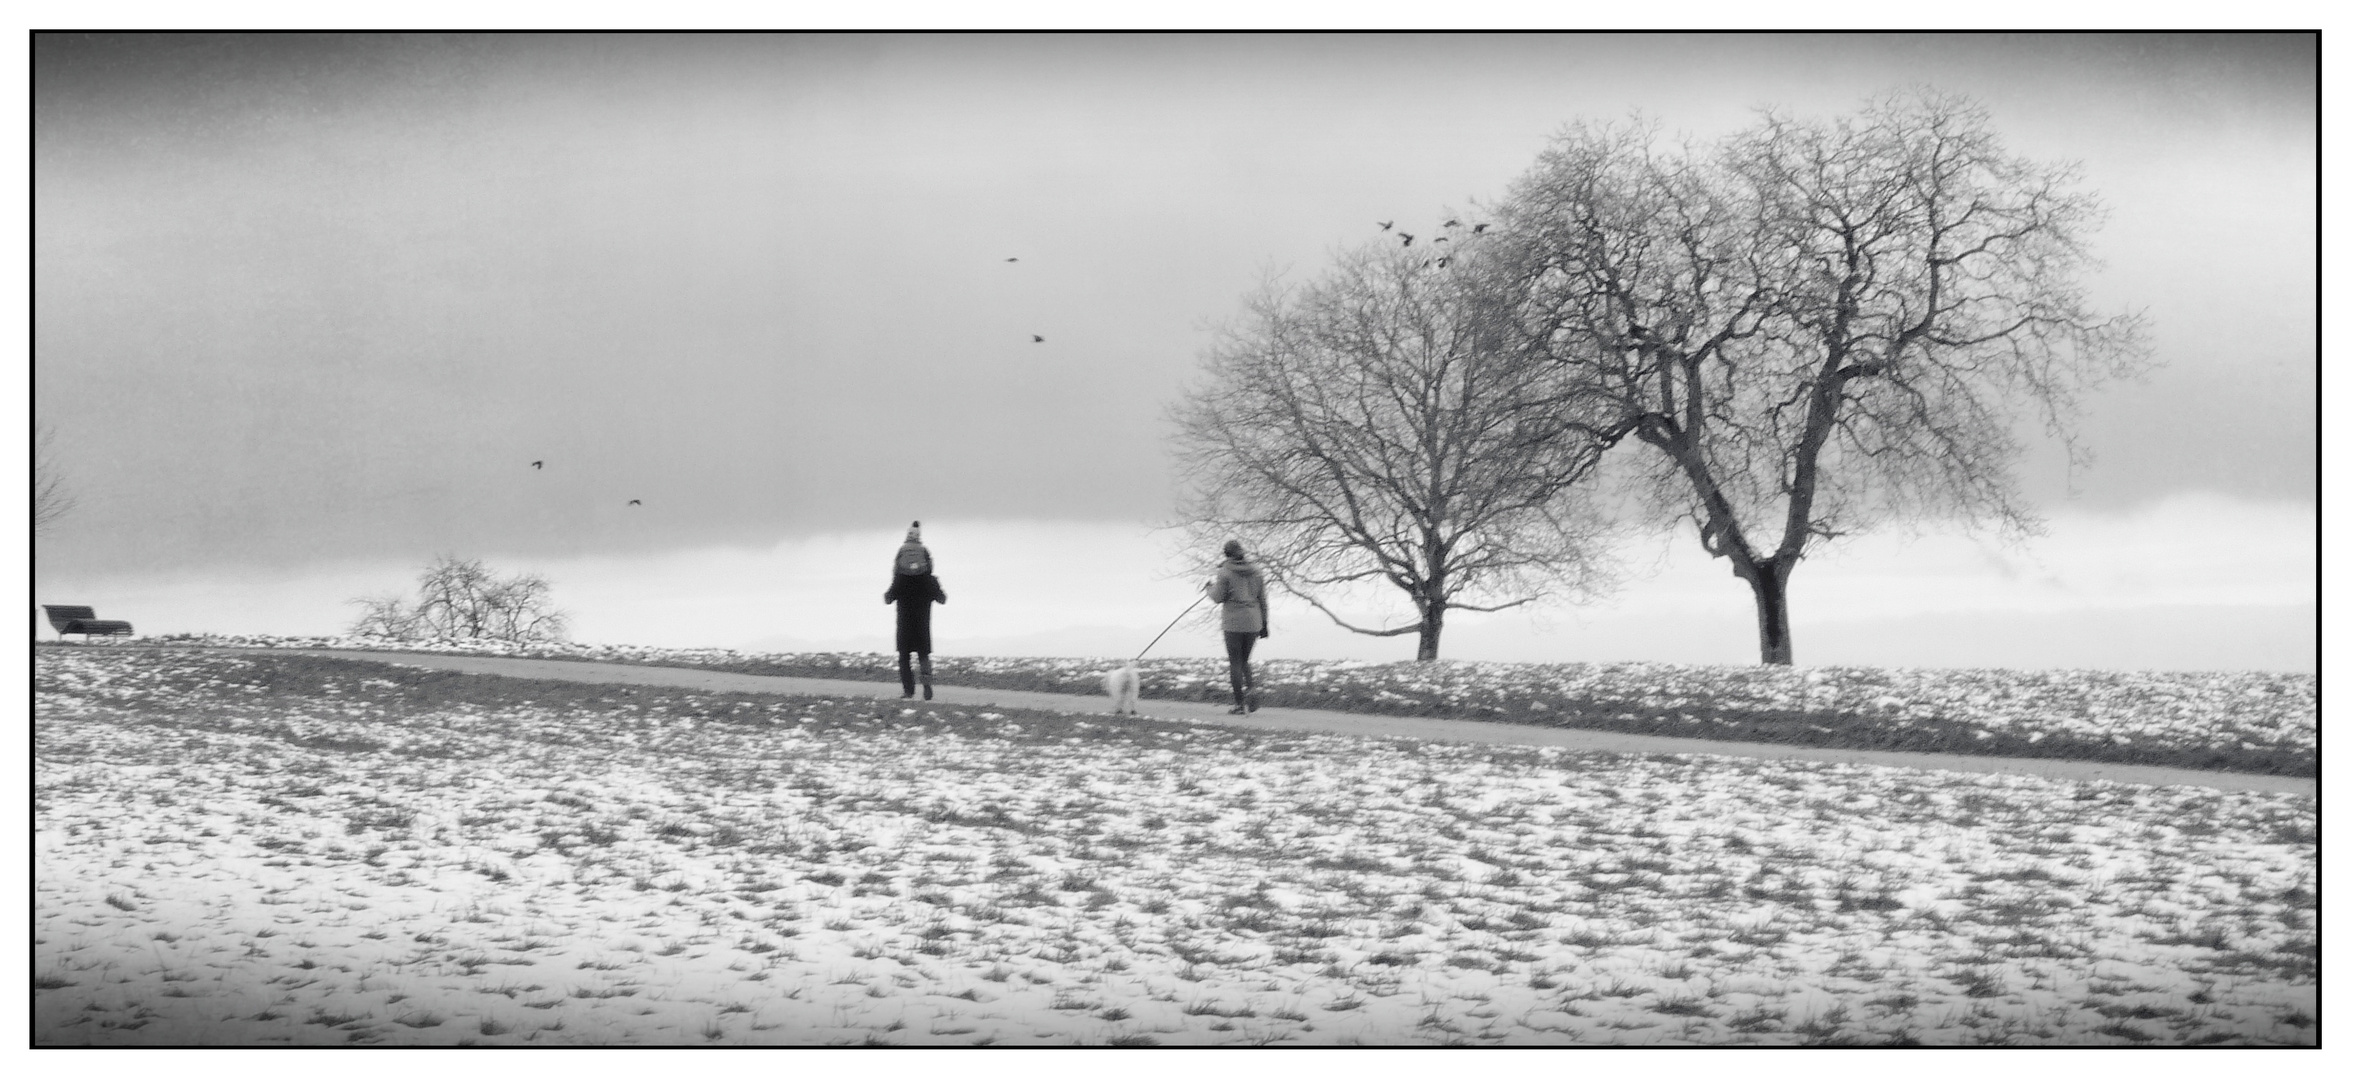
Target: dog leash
x=1172, y=624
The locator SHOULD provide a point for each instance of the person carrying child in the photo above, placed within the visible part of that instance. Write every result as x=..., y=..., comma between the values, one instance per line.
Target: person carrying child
x=915, y=589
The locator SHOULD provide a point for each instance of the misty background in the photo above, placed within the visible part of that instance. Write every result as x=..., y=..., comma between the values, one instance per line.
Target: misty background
x=328, y=297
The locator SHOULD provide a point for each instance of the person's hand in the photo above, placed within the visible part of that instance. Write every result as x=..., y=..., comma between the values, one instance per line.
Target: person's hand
x=1264, y=633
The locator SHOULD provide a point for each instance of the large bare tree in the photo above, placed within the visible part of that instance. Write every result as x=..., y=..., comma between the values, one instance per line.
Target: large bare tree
x=461, y=598
x=1384, y=427
x=1821, y=326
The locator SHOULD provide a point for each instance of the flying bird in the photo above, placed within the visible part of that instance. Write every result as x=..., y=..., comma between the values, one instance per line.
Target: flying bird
x=1442, y=261
x=637, y=502
x=1013, y=260
x=1450, y=223
x=1479, y=228
x=1385, y=225
x=1439, y=240
x=1408, y=238
x=1035, y=338
x=536, y=464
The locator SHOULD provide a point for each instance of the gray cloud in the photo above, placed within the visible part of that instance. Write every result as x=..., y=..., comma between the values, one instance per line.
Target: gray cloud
x=331, y=295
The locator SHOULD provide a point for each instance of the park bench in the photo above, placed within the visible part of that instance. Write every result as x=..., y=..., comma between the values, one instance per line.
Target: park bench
x=81, y=620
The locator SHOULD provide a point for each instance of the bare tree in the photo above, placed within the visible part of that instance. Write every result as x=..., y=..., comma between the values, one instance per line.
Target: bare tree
x=1385, y=425
x=461, y=598
x=1821, y=326
x=51, y=500
x=387, y=616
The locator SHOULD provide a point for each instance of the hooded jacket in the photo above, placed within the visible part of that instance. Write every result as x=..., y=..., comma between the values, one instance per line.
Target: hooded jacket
x=1242, y=592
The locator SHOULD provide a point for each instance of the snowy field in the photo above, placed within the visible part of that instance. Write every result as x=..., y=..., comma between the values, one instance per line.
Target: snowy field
x=254, y=849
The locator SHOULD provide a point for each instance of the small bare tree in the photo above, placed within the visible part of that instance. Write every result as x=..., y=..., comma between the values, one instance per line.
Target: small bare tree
x=460, y=598
x=386, y=616
x=1821, y=326
x=51, y=501
x=1385, y=425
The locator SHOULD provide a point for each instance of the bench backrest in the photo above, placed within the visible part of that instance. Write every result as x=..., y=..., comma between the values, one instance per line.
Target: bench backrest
x=60, y=614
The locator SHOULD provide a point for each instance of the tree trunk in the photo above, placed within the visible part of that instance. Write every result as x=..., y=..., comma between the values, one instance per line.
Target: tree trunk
x=1433, y=621
x=1769, y=582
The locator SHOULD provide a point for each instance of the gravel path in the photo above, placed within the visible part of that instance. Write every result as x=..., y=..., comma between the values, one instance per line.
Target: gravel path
x=1322, y=721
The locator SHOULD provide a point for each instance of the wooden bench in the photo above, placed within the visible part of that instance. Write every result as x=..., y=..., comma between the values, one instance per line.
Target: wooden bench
x=81, y=620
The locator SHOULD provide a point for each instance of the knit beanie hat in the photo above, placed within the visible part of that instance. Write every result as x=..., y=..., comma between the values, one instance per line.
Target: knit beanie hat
x=915, y=533
x=1233, y=549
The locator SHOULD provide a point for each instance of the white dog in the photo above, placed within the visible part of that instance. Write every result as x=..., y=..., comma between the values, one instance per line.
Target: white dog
x=1123, y=684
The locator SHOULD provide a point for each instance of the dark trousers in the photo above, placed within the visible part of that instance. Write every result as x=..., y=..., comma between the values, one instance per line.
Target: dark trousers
x=907, y=673
x=1238, y=643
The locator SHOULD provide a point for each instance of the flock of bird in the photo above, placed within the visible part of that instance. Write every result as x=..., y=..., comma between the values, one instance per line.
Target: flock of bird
x=1451, y=223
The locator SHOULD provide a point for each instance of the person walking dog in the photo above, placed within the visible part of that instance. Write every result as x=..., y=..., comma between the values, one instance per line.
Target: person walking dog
x=915, y=589
x=1241, y=595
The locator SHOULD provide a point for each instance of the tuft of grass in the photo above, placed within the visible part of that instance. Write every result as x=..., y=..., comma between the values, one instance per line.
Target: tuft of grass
x=1683, y=1006
x=1981, y=983
x=2123, y=1030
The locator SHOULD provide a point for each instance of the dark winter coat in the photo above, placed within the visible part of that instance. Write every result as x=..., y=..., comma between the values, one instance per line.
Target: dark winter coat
x=915, y=594
x=1243, y=594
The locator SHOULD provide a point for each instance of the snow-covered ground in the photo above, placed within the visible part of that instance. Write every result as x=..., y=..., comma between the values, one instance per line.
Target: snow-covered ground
x=2258, y=721
x=275, y=849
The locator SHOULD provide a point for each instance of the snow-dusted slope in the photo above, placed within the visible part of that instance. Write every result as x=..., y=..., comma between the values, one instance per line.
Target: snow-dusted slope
x=259, y=850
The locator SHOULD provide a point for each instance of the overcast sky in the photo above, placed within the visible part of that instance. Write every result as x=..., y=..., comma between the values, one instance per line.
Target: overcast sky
x=330, y=297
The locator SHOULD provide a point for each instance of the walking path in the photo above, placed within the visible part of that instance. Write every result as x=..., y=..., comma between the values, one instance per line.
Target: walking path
x=1319, y=720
